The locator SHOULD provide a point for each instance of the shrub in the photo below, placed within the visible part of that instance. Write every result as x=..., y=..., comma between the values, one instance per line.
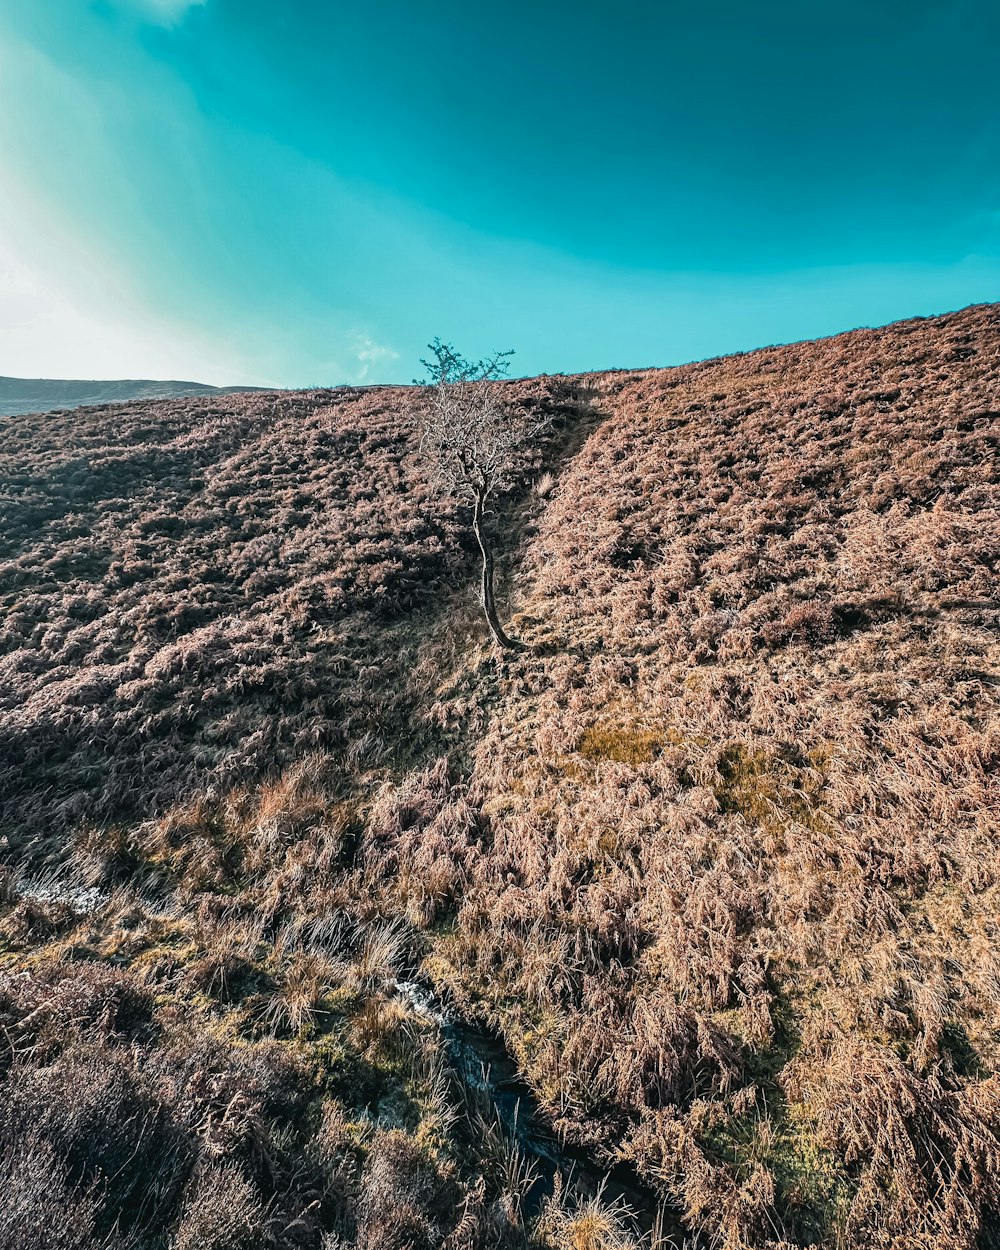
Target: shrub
x=222, y=1211
x=406, y=1201
x=41, y=1209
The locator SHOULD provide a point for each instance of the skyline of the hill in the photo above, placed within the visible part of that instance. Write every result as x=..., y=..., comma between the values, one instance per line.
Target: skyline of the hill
x=17, y=394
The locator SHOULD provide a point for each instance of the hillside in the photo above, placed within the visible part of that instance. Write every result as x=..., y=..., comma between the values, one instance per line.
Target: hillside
x=708, y=875
x=21, y=395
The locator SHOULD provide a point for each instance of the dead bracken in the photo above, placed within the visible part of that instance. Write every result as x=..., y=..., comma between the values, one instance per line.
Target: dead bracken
x=714, y=859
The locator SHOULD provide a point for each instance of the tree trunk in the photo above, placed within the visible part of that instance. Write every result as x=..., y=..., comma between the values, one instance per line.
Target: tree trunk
x=486, y=584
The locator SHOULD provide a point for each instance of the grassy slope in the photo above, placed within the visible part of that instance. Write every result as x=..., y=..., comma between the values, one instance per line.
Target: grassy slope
x=717, y=856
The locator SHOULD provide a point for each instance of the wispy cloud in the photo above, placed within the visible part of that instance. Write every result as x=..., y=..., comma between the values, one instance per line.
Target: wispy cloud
x=371, y=357
x=163, y=12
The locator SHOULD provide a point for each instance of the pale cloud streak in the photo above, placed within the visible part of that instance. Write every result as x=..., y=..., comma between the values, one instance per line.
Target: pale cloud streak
x=69, y=305
x=163, y=12
x=50, y=330
x=371, y=357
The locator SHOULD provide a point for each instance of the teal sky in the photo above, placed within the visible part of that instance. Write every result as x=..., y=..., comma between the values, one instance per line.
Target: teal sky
x=298, y=193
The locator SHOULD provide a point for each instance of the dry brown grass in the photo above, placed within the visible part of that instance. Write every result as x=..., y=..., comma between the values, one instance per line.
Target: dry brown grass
x=764, y=597
x=717, y=856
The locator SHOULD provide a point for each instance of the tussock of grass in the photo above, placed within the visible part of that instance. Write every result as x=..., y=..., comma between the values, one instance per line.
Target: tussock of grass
x=624, y=744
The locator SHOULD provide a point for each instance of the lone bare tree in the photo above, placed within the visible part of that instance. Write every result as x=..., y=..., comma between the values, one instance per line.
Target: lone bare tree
x=475, y=442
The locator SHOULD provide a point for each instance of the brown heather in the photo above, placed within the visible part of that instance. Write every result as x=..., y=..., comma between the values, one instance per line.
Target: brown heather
x=716, y=857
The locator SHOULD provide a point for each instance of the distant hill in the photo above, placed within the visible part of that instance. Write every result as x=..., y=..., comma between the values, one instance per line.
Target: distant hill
x=323, y=924
x=20, y=395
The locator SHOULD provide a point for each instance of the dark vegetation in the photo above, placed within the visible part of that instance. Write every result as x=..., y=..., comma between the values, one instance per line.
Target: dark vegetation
x=715, y=857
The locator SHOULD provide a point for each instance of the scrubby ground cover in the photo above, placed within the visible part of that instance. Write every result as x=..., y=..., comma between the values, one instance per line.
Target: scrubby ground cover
x=716, y=857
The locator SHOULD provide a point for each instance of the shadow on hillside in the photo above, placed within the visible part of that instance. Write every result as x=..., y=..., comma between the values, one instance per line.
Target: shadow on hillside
x=577, y=416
